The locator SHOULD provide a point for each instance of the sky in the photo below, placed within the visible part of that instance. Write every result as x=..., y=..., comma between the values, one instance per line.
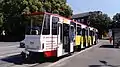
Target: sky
x=110, y=7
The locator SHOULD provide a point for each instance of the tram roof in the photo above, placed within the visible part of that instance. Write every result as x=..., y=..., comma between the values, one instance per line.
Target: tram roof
x=37, y=13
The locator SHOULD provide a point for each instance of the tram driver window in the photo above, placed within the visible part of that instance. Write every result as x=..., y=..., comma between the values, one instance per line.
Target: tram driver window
x=46, y=28
x=55, y=25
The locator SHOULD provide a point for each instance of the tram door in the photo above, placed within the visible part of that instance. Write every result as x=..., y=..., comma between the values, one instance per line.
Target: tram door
x=84, y=39
x=72, y=38
x=64, y=46
x=66, y=39
x=92, y=37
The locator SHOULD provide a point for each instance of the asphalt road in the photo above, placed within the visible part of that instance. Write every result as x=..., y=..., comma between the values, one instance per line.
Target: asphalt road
x=10, y=56
x=9, y=48
x=3, y=44
x=100, y=55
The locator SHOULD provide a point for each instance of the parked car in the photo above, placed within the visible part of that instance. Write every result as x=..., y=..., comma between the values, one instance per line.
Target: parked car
x=22, y=44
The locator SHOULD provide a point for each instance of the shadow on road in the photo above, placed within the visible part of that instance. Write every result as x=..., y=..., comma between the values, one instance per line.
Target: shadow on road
x=17, y=60
x=106, y=46
x=105, y=64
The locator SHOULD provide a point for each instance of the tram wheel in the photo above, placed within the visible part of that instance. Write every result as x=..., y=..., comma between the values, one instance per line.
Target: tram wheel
x=25, y=57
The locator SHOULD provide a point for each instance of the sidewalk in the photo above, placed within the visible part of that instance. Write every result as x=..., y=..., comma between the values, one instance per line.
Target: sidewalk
x=102, y=55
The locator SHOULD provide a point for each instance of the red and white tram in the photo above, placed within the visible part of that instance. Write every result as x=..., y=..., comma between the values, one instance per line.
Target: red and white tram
x=49, y=35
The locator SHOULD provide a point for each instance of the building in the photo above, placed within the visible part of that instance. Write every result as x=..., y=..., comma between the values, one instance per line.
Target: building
x=83, y=17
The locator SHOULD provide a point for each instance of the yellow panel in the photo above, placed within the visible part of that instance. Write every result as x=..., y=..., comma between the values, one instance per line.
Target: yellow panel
x=93, y=39
x=89, y=38
x=66, y=21
x=82, y=42
x=86, y=40
x=77, y=40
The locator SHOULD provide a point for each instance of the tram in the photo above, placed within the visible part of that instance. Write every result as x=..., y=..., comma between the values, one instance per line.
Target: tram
x=51, y=35
x=85, y=36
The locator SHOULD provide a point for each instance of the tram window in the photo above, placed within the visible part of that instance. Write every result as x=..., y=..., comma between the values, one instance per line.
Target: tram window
x=83, y=32
x=46, y=28
x=72, y=29
x=35, y=23
x=72, y=33
x=93, y=33
x=74, y=24
x=87, y=32
x=78, y=31
x=61, y=33
x=54, y=25
x=32, y=31
x=90, y=33
x=66, y=29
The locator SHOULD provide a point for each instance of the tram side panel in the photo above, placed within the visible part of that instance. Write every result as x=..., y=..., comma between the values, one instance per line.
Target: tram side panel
x=89, y=38
x=78, y=38
x=94, y=38
x=83, y=39
x=86, y=37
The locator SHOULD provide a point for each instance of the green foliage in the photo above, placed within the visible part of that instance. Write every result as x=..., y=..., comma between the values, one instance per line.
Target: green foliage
x=116, y=18
x=16, y=7
x=60, y=7
x=11, y=12
x=47, y=6
x=116, y=21
x=55, y=12
x=100, y=21
x=1, y=19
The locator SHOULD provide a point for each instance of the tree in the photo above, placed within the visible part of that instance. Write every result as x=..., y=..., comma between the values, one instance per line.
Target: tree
x=15, y=8
x=60, y=7
x=1, y=19
x=1, y=22
x=9, y=9
x=100, y=21
x=116, y=20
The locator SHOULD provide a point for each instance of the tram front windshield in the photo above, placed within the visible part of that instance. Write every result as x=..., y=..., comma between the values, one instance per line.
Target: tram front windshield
x=35, y=24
